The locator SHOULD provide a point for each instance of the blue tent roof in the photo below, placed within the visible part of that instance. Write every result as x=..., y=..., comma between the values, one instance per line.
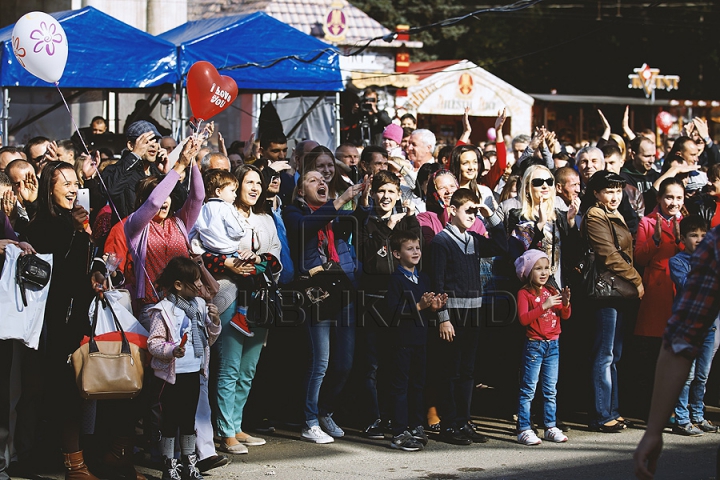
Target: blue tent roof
x=259, y=52
x=103, y=53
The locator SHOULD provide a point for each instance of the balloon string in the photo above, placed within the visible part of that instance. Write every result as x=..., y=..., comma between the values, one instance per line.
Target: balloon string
x=102, y=182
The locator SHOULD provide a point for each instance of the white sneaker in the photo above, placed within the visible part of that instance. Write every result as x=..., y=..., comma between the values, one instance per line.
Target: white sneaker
x=316, y=435
x=528, y=437
x=556, y=435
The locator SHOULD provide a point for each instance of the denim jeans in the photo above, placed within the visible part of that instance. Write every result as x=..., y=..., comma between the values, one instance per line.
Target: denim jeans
x=342, y=331
x=607, y=349
x=540, y=361
x=690, y=406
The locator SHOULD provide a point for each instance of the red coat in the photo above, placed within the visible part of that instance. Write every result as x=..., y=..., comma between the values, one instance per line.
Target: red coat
x=656, y=305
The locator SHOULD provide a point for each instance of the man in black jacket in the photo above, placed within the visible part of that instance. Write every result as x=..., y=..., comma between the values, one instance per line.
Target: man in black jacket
x=138, y=161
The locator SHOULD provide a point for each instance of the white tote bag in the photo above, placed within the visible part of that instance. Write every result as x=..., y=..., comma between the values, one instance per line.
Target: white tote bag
x=105, y=322
x=18, y=322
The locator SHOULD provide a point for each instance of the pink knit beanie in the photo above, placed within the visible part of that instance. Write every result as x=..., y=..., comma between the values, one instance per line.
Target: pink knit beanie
x=525, y=263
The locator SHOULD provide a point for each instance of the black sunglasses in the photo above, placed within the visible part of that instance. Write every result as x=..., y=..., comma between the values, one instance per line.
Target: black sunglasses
x=537, y=182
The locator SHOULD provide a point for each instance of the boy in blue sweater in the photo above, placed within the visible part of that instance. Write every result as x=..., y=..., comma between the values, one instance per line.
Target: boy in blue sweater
x=689, y=410
x=456, y=254
x=410, y=302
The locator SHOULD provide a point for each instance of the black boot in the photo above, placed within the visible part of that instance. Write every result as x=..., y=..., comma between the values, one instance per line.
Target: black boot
x=189, y=468
x=171, y=469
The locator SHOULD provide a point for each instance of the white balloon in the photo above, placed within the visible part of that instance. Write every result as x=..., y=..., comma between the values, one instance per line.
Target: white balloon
x=40, y=45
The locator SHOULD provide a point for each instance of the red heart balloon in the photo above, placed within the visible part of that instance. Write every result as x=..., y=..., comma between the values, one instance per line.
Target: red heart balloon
x=209, y=92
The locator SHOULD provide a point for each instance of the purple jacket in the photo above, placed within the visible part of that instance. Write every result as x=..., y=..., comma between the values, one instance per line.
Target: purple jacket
x=138, y=222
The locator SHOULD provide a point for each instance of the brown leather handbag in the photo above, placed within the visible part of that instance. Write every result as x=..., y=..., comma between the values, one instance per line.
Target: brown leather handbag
x=108, y=370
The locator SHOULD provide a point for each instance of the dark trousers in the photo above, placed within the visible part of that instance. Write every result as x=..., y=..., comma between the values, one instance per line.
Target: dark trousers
x=457, y=368
x=406, y=371
x=372, y=358
x=178, y=404
x=6, y=353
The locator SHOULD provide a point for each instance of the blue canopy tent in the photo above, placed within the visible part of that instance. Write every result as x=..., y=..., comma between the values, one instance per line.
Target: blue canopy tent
x=259, y=52
x=104, y=53
x=264, y=55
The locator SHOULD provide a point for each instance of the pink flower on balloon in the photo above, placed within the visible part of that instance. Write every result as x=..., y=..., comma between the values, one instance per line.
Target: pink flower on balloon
x=47, y=37
x=19, y=51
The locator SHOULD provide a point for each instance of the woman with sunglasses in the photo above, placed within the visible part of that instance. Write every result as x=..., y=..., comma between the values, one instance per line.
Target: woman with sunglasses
x=537, y=224
x=238, y=352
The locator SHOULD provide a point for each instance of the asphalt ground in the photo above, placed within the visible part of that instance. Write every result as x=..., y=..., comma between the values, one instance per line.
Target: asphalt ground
x=587, y=455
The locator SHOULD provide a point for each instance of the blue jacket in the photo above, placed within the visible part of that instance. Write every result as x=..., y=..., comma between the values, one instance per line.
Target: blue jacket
x=303, y=226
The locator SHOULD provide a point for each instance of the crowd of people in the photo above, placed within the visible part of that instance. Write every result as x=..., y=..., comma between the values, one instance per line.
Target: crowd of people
x=386, y=257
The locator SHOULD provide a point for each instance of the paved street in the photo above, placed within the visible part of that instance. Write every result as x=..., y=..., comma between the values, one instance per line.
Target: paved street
x=586, y=456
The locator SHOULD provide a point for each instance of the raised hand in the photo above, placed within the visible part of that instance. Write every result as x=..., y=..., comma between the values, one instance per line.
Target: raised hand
x=30, y=191
x=142, y=144
x=553, y=301
x=426, y=300
x=658, y=229
x=9, y=202
x=701, y=126
x=499, y=122
x=221, y=144
x=439, y=301
x=606, y=126
x=565, y=294
x=573, y=210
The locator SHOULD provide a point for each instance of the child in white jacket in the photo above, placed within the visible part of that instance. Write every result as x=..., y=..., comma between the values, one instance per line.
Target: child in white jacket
x=182, y=330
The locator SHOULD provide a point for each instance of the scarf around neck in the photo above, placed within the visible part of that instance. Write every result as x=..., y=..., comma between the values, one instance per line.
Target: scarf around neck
x=190, y=307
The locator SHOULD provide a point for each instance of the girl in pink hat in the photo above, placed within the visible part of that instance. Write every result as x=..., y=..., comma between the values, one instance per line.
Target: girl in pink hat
x=540, y=309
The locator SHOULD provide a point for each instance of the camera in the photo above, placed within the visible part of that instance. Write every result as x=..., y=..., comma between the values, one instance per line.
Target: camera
x=367, y=104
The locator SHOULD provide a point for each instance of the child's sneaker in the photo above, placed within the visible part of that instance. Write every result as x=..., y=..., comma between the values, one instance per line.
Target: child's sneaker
x=239, y=323
x=556, y=435
x=528, y=437
x=329, y=426
x=418, y=433
x=405, y=441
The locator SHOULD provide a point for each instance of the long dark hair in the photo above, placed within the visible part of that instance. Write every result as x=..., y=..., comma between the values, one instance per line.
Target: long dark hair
x=46, y=204
x=454, y=166
x=180, y=269
x=261, y=204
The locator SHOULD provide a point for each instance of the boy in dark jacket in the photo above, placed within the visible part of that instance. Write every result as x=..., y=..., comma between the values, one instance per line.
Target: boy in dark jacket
x=456, y=254
x=410, y=302
x=378, y=264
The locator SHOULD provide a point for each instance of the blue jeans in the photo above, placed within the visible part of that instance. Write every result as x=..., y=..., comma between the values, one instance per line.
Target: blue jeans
x=540, y=360
x=606, y=353
x=342, y=331
x=690, y=406
x=238, y=357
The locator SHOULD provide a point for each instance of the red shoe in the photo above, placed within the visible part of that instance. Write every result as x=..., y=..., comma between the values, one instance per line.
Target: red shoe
x=239, y=323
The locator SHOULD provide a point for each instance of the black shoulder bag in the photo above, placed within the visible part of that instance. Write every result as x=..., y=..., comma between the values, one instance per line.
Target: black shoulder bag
x=31, y=271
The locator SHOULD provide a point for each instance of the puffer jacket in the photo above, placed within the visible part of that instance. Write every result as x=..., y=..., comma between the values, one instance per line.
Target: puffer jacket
x=597, y=232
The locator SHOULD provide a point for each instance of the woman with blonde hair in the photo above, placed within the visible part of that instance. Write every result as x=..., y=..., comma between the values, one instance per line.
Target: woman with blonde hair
x=537, y=224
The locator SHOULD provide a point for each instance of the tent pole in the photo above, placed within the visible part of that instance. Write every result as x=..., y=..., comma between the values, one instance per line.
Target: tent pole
x=183, y=115
x=306, y=115
x=337, y=119
x=173, y=115
x=5, y=118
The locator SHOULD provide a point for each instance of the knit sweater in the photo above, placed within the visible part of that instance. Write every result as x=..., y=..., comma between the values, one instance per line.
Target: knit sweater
x=456, y=271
